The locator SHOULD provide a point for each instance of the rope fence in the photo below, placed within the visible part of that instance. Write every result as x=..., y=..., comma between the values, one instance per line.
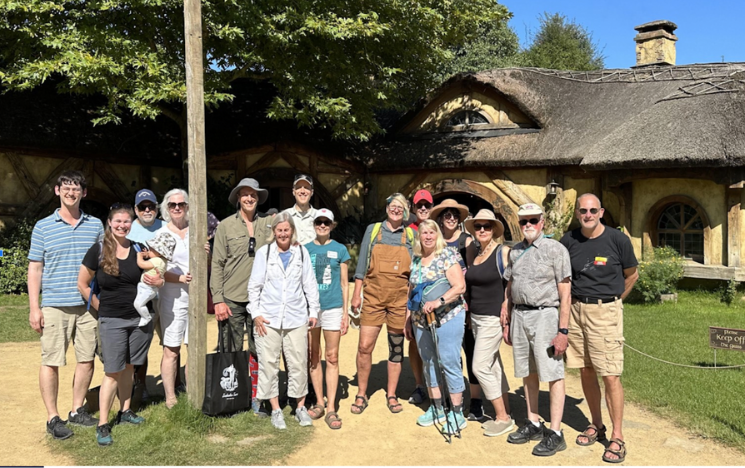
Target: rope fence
x=681, y=365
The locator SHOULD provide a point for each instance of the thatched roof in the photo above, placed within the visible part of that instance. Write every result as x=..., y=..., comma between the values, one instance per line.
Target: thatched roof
x=645, y=117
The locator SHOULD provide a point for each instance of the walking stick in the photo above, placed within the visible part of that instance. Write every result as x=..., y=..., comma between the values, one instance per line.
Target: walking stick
x=442, y=379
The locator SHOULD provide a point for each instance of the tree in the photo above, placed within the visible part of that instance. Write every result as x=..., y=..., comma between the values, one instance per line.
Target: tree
x=563, y=45
x=333, y=63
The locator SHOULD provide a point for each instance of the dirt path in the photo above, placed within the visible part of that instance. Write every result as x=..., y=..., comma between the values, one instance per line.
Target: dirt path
x=375, y=438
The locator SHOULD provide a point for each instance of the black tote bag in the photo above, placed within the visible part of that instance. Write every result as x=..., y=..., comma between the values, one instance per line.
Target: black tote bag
x=227, y=385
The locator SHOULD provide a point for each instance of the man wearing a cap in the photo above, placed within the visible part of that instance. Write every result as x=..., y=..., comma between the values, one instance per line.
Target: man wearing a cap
x=302, y=213
x=422, y=205
x=603, y=273
x=535, y=323
x=146, y=209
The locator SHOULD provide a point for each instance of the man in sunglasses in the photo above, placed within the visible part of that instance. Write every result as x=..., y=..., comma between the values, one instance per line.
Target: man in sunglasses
x=535, y=323
x=603, y=272
x=147, y=222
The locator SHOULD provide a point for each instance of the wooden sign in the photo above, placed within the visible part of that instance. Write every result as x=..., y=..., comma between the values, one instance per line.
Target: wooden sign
x=727, y=338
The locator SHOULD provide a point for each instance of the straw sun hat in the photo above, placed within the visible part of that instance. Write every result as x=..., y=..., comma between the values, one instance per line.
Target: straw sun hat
x=452, y=204
x=486, y=215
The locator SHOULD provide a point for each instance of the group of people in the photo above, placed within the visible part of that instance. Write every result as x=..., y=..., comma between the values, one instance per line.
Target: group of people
x=282, y=281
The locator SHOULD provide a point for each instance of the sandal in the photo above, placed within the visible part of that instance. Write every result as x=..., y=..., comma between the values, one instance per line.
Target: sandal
x=331, y=419
x=359, y=408
x=316, y=411
x=620, y=453
x=597, y=434
x=396, y=407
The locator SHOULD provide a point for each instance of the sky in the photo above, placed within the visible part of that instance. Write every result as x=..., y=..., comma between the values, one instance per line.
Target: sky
x=706, y=30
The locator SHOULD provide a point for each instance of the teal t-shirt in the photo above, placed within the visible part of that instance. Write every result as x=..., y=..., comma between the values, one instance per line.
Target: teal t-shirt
x=327, y=260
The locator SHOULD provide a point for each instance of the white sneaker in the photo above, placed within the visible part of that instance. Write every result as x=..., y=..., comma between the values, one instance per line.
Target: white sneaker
x=278, y=419
x=302, y=417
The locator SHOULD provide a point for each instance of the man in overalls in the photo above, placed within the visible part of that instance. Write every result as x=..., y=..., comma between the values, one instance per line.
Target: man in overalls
x=383, y=269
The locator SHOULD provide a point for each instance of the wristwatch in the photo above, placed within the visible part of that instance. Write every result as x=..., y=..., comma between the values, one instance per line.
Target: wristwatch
x=442, y=300
x=564, y=331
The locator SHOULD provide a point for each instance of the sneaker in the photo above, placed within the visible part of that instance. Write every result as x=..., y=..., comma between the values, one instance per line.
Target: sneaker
x=527, y=433
x=103, y=435
x=278, y=419
x=302, y=417
x=418, y=396
x=430, y=416
x=82, y=418
x=258, y=409
x=476, y=411
x=454, y=423
x=497, y=428
x=550, y=444
x=58, y=429
x=128, y=417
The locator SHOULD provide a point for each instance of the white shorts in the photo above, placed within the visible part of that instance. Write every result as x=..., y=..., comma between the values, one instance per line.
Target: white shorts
x=174, y=318
x=330, y=319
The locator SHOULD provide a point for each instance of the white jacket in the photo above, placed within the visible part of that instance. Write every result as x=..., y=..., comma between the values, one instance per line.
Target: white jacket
x=285, y=297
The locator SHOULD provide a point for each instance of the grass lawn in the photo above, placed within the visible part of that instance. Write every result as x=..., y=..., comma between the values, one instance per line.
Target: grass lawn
x=708, y=402
x=184, y=436
x=14, y=325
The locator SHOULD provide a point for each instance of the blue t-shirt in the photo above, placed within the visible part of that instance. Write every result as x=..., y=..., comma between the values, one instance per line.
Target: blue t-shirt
x=141, y=234
x=285, y=257
x=326, y=261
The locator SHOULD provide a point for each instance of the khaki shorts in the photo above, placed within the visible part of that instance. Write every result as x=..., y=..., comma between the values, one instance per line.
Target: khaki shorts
x=394, y=319
x=596, y=337
x=63, y=325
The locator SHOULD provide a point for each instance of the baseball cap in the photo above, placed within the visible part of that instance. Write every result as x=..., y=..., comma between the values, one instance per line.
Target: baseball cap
x=529, y=209
x=324, y=213
x=423, y=195
x=145, y=195
x=304, y=177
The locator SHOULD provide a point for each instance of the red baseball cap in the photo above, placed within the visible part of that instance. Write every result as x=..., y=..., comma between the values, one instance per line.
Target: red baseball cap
x=423, y=195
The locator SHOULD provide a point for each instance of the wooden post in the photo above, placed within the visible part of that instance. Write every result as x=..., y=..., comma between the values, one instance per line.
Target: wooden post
x=734, y=196
x=197, y=202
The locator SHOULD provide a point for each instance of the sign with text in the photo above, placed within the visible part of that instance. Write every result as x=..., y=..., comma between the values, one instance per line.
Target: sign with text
x=727, y=338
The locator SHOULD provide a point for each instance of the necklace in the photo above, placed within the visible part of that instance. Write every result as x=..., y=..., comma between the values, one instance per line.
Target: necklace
x=486, y=249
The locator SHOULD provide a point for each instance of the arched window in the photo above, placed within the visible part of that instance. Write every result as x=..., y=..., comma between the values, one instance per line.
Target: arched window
x=467, y=118
x=681, y=226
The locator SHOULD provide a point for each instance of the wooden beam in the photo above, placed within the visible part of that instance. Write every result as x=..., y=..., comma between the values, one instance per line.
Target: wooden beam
x=624, y=196
x=313, y=165
x=230, y=155
x=111, y=179
x=715, y=272
x=88, y=170
x=508, y=187
x=265, y=161
x=9, y=209
x=240, y=167
x=345, y=186
x=295, y=162
x=413, y=183
x=197, y=202
x=24, y=175
x=165, y=160
x=734, y=226
x=46, y=189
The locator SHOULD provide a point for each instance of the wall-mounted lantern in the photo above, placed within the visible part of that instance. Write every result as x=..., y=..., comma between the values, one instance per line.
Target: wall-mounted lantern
x=553, y=188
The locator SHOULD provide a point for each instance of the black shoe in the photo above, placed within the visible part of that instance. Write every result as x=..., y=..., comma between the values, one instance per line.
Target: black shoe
x=527, y=433
x=82, y=418
x=550, y=444
x=58, y=429
x=103, y=435
x=128, y=417
x=476, y=411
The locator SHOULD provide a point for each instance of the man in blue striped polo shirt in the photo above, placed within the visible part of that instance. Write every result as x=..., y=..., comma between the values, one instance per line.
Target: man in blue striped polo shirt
x=58, y=244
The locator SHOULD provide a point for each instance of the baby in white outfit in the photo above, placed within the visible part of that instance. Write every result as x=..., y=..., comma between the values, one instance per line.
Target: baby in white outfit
x=154, y=262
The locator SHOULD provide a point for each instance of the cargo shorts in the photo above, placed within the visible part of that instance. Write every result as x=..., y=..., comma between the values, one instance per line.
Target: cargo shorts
x=596, y=337
x=63, y=325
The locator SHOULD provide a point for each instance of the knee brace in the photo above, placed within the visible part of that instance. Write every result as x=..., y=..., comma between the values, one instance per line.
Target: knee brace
x=395, y=348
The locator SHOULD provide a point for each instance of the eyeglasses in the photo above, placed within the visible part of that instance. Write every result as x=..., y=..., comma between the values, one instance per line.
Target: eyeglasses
x=533, y=221
x=70, y=190
x=119, y=206
x=450, y=215
x=396, y=209
x=485, y=227
x=323, y=222
x=591, y=210
x=251, y=246
x=426, y=206
x=181, y=205
x=148, y=207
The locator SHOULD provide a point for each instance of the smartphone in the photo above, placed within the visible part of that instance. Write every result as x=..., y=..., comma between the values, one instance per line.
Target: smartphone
x=551, y=351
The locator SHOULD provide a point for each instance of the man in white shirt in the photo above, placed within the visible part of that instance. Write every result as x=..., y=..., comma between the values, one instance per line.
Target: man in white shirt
x=302, y=213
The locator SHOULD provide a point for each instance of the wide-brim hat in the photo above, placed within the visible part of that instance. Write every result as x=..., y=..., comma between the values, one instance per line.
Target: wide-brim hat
x=486, y=215
x=164, y=243
x=449, y=203
x=251, y=183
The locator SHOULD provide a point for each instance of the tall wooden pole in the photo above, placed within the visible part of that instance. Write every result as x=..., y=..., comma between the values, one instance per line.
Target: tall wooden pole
x=197, y=202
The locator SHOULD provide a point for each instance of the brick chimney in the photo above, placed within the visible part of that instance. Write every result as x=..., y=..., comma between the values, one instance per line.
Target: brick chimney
x=655, y=43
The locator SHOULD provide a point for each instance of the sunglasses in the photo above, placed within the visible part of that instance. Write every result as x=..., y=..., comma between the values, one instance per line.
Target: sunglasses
x=251, y=246
x=450, y=215
x=119, y=206
x=485, y=227
x=323, y=222
x=533, y=221
x=181, y=205
x=419, y=206
x=395, y=209
x=591, y=210
x=148, y=207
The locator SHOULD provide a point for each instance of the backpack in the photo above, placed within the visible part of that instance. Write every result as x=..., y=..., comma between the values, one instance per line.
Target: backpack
x=375, y=231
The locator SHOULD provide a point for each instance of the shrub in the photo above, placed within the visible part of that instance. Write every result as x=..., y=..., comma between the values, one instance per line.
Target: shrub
x=728, y=293
x=659, y=274
x=15, y=241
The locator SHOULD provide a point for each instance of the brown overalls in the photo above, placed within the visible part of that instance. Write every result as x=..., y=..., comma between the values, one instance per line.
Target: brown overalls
x=386, y=284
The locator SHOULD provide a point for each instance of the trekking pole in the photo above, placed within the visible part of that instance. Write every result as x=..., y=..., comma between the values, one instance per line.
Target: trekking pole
x=441, y=378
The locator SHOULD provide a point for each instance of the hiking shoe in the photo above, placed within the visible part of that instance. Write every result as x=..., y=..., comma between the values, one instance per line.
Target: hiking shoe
x=103, y=435
x=430, y=416
x=258, y=409
x=476, y=411
x=418, y=396
x=129, y=417
x=527, y=433
x=58, y=429
x=278, y=419
x=454, y=422
x=302, y=417
x=550, y=444
x=497, y=428
x=82, y=418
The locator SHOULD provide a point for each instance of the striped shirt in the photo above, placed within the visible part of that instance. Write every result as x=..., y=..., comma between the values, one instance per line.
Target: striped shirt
x=61, y=247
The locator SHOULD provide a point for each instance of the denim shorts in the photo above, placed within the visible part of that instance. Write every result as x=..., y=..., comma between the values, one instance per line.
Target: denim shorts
x=449, y=340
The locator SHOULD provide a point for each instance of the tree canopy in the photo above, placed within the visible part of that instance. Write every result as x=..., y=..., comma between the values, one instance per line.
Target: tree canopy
x=562, y=44
x=332, y=62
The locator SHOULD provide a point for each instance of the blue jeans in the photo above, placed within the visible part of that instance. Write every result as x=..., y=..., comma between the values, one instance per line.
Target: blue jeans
x=449, y=339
